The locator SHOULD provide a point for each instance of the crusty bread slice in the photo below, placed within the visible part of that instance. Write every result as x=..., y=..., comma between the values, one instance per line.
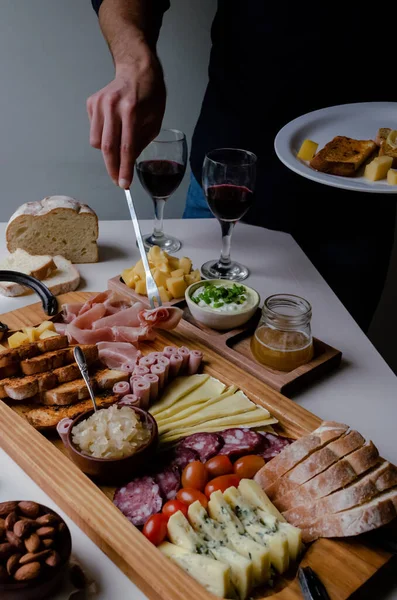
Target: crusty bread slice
x=15, y=355
x=340, y=474
x=315, y=463
x=343, y=156
x=298, y=451
x=65, y=279
x=58, y=358
x=38, y=266
x=46, y=418
x=385, y=149
x=366, y=487
x=56, y=225
x=368, y=516
x=74, y=391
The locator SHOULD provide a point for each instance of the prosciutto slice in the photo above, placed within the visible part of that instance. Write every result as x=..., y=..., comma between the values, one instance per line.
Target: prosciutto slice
x=116, y=354
x=162, y=317
x=126, y=318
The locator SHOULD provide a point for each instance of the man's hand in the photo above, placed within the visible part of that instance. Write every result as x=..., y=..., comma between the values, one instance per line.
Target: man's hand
x=127, y=114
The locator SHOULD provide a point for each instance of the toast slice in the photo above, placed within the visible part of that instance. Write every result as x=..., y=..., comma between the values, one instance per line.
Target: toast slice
x=56, y=359
x=343, y=156
x=366, y=487
x=385, y=149
x=15, y=355
x=75, y=391
x=298, y=451
x=46, y=418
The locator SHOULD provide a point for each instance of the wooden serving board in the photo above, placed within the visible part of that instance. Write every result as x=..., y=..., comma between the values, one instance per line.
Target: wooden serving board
x=343, y=566
x=235, y=346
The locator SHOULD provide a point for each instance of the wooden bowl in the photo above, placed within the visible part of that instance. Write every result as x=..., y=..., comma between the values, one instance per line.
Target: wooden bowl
x=113, y=470
x=46, y=585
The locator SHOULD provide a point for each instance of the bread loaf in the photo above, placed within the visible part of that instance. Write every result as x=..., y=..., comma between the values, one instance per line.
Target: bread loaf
x=56, y=225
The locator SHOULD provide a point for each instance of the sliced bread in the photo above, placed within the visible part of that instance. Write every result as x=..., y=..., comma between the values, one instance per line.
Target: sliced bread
x=56, y=225
x=343, y=156
x=38, y=266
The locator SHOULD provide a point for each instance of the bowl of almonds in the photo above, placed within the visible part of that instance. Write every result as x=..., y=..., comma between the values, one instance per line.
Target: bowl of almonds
x=35, y=548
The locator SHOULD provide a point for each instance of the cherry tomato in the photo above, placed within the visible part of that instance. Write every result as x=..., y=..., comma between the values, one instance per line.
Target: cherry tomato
x=221, y=483
x=190, y=495
x=155, y=529
x=219, y=465
x=246, y=466
x=195, y=475
x=172, y=506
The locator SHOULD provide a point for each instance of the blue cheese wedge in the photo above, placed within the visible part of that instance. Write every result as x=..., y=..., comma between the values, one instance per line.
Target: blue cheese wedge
x=264, y=530
x=213, y=574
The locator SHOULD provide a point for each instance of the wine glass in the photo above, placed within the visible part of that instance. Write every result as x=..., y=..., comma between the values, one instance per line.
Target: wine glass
x=228, y=183
x=160, y=168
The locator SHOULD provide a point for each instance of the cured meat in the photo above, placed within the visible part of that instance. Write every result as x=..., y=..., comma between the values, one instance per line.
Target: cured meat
x=139, y=500
x=240, y=440
x=121, y=388
x=272, y=445
x=129, y=400
x=194, y=362
x=115, y=354
x=162, y=317
x=133, y=335
x=87, y=319
x=124, y=318
x=71, y=311
x=205, y=444
x=169, y=482
x=183, y=456
x=88, y=336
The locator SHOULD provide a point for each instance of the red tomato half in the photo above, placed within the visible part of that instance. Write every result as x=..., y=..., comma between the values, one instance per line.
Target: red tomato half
x=155, y=529
x=246, y=466
x=172, y=506
x=190, y=495
x=219, y=465
x=221, y=483
x=195, y=475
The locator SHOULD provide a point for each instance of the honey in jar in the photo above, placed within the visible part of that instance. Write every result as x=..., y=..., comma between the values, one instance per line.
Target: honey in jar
x=283, y=339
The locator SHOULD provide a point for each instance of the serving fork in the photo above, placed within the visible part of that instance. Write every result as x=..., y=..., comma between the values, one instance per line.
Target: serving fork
x=151, y=287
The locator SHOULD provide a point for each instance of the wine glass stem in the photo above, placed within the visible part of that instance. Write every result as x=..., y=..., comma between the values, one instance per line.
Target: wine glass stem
x=227, y=230
x=159, y=204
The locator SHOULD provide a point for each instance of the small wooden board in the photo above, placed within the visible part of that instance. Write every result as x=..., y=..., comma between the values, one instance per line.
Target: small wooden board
x=235, y=346
x=343, y=566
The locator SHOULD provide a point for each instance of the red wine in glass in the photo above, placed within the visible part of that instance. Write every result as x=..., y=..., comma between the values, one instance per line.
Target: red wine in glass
x=229, y=202
x=160, y=178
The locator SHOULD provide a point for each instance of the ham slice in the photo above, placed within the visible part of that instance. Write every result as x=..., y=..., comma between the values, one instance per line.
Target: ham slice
x=116, y=354
x=71, y=311
x=126, y=318
x=88, y=336
x=162, y=317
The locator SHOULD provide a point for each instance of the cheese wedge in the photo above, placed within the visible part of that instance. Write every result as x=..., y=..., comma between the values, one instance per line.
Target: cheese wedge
x=181, y=533
x=217, y=533
x=178, y=388
x=211, y=390
x=263, y=530
x=235, y=404
x=214, y=575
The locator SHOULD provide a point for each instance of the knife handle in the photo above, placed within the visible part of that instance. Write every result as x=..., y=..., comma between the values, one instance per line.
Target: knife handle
x=48, y=300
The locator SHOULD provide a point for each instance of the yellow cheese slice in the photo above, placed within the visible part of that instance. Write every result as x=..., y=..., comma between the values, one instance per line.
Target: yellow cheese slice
x=178, y=388
x=240, y=569
x=190, y=403
x=213, y=574
x=228, y=405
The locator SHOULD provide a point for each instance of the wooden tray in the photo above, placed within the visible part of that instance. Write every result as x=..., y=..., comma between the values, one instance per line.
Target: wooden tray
x=343, y=566
x=235, y=346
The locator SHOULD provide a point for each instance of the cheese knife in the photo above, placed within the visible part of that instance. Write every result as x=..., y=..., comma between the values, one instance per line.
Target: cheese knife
x=311, y=586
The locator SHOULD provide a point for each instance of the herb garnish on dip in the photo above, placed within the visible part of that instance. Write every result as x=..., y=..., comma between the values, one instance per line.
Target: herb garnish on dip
x=225, y=298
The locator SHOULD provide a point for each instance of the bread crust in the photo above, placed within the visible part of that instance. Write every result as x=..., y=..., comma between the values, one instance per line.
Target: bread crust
x=343, y=156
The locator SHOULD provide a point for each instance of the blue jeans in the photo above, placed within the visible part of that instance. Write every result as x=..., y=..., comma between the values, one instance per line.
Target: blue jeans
x=196, y=206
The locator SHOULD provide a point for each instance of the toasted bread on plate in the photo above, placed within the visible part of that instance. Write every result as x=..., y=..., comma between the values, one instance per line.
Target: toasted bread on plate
x=343, y=156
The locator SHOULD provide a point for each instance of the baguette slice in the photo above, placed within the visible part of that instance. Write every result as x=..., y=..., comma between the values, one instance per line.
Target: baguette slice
x=373, y=514
x=298, y=451
x=366, y=487
x=315, y=463
x=340, y=474
x=343, y=156
x=38, y=266
x=75, y=391
x=15, y=355
x=56, y=359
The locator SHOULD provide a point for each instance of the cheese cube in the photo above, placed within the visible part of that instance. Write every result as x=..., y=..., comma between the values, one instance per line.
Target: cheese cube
x=17, y=339
x=47, y=333
x=186, y=264
x=378, y=168
x=160, y=278
x=193, y=277
x=140, y=287
x=176, y=286
x=139, y=269
x=164, y=294
x=392, y=176
x=177, y=273
x=32, y=333
x=128, y=278
x=45, y=325
x=173, y=262
x=163, y=266
x=307, y=150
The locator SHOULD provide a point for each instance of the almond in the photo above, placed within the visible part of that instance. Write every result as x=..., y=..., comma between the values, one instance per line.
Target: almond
x=29, y=509
x=13, y=563
x=6, y=550
x=34, y=556
x=28, y=572
x=47, y=543
x=22, y=528
x=15, y=541
x=46, y=532
x=32, y=543
x=53, y=559
x=47, y=519
x=10, y=521
x=7, y=507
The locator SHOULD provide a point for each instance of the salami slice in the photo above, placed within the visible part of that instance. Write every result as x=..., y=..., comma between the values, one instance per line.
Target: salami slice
x=169, y=482
x=272, y=445
x=205, y=444
x=139, y=500
x=240, y=440
x=183, y=456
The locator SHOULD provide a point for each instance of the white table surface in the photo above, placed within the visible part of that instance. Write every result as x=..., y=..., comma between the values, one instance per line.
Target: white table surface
x=362, y=392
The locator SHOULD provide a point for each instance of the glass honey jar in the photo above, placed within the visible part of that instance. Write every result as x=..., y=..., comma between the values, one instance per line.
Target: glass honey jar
x=283, y=338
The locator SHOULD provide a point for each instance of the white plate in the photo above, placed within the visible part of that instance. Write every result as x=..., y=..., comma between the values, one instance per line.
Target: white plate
x=360, y=121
